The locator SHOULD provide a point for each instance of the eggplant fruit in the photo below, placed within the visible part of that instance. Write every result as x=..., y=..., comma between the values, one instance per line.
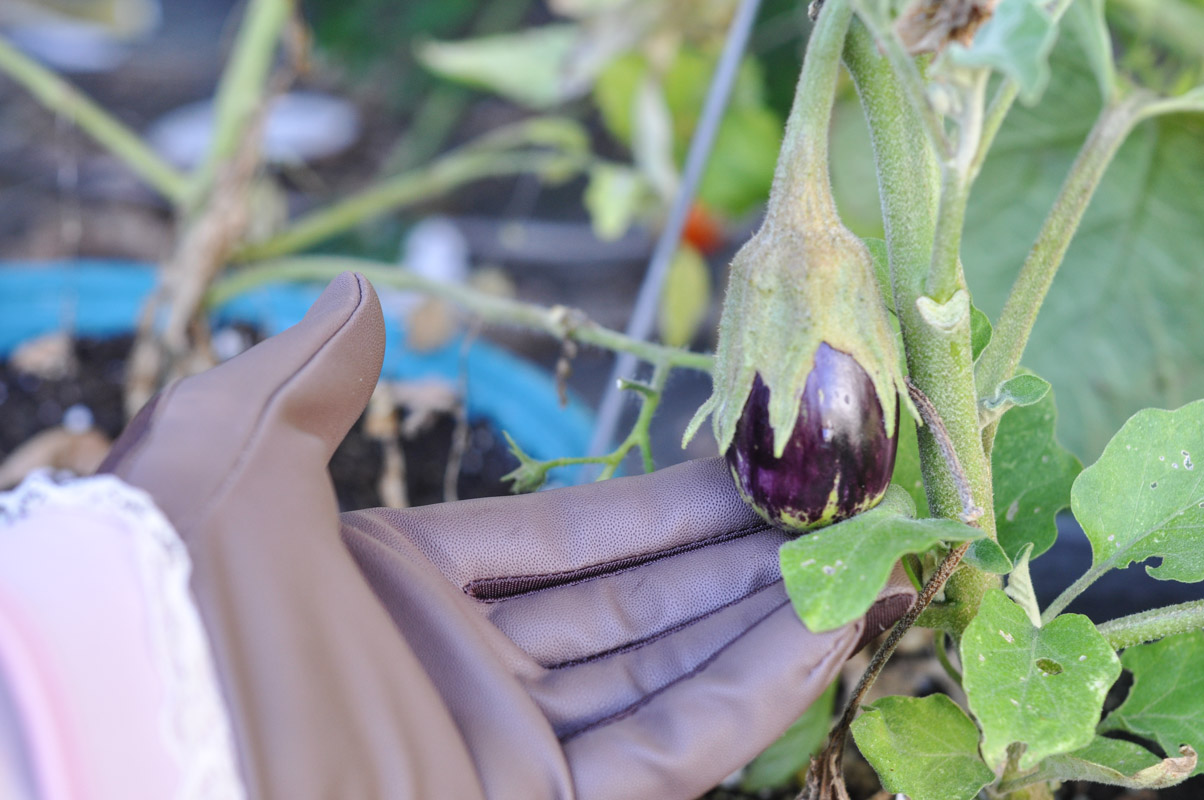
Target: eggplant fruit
x=838, y=459
x=807, y=379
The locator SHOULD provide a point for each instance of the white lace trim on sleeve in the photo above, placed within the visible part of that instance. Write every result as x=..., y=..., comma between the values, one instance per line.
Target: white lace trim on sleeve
x=196, y=727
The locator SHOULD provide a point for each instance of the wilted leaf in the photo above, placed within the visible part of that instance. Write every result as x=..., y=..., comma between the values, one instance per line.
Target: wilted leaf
x=925, y=747
x=834, y=574
x=1166, y=703
x=1119, y=763
x=1044, y=687
x=1144, y=498
x=1033, y=475
x=685, y=298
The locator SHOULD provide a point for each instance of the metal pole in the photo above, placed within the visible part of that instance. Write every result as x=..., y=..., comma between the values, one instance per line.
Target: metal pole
x=648, y=299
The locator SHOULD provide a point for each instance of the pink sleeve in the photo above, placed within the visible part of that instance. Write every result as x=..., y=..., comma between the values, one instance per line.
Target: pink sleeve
x=102, y=654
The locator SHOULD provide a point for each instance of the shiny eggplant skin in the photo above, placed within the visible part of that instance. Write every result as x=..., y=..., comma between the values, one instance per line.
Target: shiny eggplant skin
x=838, y=461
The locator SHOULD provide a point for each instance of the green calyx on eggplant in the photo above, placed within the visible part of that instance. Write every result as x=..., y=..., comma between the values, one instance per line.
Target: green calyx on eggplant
x=805, y=343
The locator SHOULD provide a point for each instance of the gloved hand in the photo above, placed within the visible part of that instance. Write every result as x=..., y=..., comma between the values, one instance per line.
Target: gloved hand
x=629, y=639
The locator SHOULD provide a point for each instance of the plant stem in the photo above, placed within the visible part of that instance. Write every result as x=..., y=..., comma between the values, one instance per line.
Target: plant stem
x=1001, y=357
x=940, y=643
x=1156, y=623
x=241, y=91
x=939, y=362
x=908, y=81
x=443, y=175
x=801, y=178
x=60, y=97
x=558, y=321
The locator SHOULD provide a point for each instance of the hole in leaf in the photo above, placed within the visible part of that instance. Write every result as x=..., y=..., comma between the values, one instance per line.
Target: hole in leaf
x=1048, y=666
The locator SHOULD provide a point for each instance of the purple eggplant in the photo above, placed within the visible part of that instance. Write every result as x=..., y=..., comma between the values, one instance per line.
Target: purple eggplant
x=838, y=460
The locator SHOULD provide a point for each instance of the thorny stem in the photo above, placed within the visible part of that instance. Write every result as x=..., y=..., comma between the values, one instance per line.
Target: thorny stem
x=1156, y=623
x=558, y=321
x=60, y=97
x=817, y=788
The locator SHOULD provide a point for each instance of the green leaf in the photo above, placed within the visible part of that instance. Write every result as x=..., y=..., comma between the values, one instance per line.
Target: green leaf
x=1016, y=40
x=980, y=331
x=1166, y=703
x=1121, y=328
x=614, y=196
x=1018, y=390
x=834, y=574
x=740, y=169
x=1118, y=763
x=1033, y=475
x=907, y=474
x=1144, y=498
x=1020, y=587
x=529, y=475
x=988, y=556
x=1085, y=21
x=1044, y=687
x=685, y=298
x=926, y=748
x=526, y=67
x=613, y=90
x=790, y=754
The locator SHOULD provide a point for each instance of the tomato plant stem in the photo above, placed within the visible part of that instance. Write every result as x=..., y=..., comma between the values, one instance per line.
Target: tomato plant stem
x=558, y=321
x=60, y=97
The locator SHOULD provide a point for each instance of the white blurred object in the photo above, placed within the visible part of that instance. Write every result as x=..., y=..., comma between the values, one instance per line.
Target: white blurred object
x=435, y=249
x=301, y=127
x=78, y=36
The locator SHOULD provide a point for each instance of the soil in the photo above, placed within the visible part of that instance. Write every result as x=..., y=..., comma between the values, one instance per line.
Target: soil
x=29, y=404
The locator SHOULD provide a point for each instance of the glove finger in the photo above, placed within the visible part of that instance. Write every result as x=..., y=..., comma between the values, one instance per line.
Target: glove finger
x=719, y=689
x=499, y=547
x=679, y=740
x=314, y=378
x=576, y=621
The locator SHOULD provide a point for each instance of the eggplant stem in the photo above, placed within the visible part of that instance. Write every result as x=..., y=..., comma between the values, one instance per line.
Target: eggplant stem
x=970, y=511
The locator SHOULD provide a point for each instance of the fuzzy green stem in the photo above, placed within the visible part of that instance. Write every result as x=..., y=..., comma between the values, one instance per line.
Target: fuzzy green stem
x=802, y=172
x=939, y=362
x=1001, y=357
x=1154, y=624
x=560, y=322
x=439, y=177
x=241, y=91
x=60, y=97
x=909, y=82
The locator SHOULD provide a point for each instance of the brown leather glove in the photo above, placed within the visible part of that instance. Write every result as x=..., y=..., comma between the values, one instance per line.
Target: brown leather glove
x=629, y=639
